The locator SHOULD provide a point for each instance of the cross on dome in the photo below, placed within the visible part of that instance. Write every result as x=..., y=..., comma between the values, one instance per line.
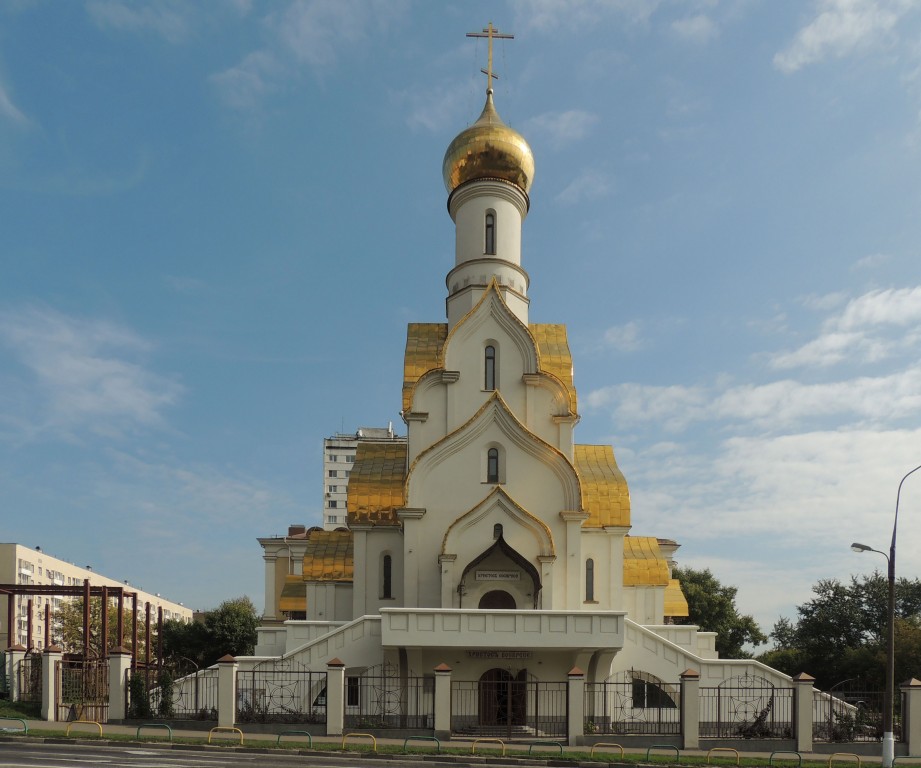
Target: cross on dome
x=490, y=33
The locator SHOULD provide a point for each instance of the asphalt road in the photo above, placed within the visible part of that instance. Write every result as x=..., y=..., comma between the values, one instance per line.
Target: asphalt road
x=31, y=755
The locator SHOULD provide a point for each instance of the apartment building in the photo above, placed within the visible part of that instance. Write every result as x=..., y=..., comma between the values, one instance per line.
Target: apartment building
x=27, y=565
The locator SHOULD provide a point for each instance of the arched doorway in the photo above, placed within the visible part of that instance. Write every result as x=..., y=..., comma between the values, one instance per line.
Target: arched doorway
x=503, y=698
x=497, y=599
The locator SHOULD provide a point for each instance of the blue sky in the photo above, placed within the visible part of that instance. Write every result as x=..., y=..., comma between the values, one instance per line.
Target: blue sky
x=217, y=218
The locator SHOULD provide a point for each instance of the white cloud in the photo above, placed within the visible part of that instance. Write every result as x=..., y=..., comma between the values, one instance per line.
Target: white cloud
x=9, y=110
x=841, y=28
x=871, y=261
x=167, y=19
x=858, y=332
x=562, y=128
x=245, y=85
x=589, y=185
x=624, y=338
x=699, y=29
x=85, y=374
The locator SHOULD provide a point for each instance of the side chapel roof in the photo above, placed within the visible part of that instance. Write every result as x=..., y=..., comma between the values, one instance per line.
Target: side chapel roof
x=605, y=495
x=376, y=483
x=329, y=557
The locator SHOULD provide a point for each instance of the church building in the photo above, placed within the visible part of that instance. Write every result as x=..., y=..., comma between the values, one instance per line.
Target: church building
x=491, y=540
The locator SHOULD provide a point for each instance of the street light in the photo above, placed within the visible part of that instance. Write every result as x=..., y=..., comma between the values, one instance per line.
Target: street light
x=889, y=709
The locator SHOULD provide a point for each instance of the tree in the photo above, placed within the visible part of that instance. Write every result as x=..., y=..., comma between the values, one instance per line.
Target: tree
x=840, y=635
x=712, y=607
x=68, y=627
x=229, y=628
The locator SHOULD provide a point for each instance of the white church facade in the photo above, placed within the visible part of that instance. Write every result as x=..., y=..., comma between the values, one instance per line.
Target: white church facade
x=491, y=541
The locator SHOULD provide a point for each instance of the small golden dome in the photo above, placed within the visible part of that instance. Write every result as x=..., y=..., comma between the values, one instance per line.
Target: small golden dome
x=488, y=149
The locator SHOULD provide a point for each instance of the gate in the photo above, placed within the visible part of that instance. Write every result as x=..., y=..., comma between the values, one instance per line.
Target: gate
x=502, y=705
x=29, y=677
x=385, y=698
x=82, y=690
x=282, y=691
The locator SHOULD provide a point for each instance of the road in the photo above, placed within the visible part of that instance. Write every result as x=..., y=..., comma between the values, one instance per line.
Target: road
x=15, y=754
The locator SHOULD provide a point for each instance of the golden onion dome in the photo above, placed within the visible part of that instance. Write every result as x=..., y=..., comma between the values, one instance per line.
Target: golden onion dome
x=488, y=149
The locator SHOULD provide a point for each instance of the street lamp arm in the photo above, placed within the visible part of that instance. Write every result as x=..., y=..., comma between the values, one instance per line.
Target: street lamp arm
x=895, y=523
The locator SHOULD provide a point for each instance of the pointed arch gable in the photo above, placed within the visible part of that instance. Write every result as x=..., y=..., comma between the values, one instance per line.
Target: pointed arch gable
x=499, y=499
x=501, y=545
x=492, y=306
x=496, y=411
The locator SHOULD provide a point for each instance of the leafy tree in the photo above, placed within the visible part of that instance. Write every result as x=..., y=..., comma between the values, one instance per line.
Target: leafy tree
x=229, y=628
x=712, y=606
x=68, y=627
x=840, y=634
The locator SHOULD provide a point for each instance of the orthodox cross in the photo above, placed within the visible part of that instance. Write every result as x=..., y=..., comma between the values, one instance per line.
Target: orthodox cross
x=490, y=33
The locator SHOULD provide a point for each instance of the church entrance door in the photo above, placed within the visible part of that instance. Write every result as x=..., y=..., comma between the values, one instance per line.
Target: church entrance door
x=497, y=598
x=503, y=700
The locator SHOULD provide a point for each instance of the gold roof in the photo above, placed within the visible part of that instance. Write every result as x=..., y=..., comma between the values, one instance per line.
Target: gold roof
x=293, y=595
x=425, y=346
x=488, y=149
x=675, y=602
x=424, y=343
x=644, y=565
x=605, y=495
x=554, y=356
x=329, y=556
x=376, y=483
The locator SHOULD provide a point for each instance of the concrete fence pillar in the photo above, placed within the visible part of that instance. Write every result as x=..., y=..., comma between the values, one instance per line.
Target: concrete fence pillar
x=14, y=655
x=335, y=697
x=911, y=715
x=442, y=701
x=690, y=709
x=119, y=664
x=50, y=660
x=227, y=667
x=803, y=711
x=575, y=707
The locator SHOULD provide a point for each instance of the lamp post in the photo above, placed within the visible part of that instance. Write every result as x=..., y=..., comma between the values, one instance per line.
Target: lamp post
x=889, y=709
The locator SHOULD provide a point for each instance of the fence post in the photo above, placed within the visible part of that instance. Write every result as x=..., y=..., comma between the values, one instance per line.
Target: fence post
x=227, y=691
x=335, y=697
x=911, y=715
x=119, y=664
x=442, y=701
x=15, y=654
x=803, y=712
x=575, y=709
x=50, y=659
x=690, y=709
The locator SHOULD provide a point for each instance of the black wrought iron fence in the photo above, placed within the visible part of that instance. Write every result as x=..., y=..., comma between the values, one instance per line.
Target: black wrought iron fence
x=852, y=716
x=747, y=707
x=632, y=706
x=390, y=701
x=173, y=692
x=281, y=692
x=509, y=708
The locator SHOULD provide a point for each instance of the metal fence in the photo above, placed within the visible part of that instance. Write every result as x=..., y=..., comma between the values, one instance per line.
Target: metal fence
x=29, y=677
x=632, y=705
x=747, y=707
x=390, y=701
x=509, y=707
x=82, y=690
x=281, y=692
x=852, y=716
x=172, y=692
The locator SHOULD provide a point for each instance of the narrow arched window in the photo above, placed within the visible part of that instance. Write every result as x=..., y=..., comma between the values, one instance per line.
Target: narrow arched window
x=490, y=244
x=490, y=368
x=387, y=578
x=590, y=580
x=492, y=466
x=497, y=531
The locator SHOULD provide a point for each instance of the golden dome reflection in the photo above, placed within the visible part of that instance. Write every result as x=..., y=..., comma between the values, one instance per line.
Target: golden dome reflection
x=488, y=149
